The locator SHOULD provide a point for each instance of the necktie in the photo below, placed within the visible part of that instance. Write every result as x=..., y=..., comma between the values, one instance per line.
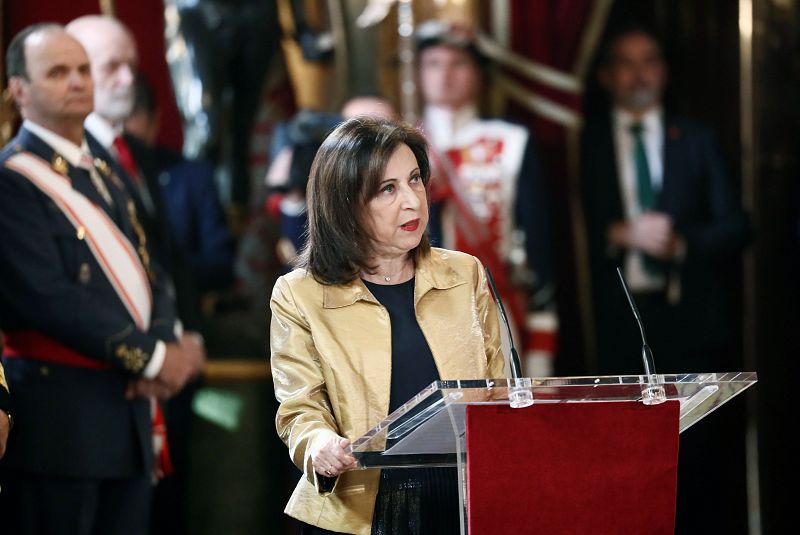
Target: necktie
x=128, y=163
x=126, y=160
x=644, y=189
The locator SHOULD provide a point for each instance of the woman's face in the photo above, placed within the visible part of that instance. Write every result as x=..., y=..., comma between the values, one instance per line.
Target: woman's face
x=396, y=217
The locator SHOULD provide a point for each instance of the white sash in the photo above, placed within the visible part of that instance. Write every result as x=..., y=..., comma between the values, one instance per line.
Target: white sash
x=111, y=248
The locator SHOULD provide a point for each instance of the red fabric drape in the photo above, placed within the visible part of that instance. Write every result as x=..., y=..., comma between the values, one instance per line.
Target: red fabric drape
x=145, y=18
x=551, y=32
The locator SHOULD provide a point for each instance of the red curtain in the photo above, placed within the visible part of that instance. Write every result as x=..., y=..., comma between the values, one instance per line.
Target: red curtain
x=145, y=18
x=551, y=32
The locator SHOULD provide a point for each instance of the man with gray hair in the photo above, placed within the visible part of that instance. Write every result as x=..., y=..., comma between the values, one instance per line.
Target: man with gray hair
x=115, y=61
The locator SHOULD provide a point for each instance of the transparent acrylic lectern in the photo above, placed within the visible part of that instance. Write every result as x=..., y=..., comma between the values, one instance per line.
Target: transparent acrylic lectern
x=430, y=429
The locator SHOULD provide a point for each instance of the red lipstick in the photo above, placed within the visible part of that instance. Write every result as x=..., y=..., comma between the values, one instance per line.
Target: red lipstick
x=410, y=226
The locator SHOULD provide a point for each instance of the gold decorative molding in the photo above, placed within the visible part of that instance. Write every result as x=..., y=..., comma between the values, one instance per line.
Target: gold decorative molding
x=314, y=84
x=591, y=37
x=519, y=64
x=237, y=370
x=538, y=104
x=107, y=7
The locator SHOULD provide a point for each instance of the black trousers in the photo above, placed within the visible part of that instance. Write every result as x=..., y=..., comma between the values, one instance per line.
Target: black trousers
x=43, y=505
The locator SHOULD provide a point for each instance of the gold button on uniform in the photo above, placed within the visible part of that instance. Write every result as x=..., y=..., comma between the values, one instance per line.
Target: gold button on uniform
x=84, y=274
x=81, y=232
x=44, y=371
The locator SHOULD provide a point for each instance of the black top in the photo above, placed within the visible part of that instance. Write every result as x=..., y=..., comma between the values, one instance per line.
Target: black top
x=413, y=367
x=422, y=500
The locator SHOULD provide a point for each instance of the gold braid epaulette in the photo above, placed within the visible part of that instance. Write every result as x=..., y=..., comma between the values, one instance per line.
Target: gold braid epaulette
x=141, y=238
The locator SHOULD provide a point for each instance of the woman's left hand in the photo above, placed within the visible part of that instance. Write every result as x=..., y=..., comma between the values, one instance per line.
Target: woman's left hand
x=332, y=459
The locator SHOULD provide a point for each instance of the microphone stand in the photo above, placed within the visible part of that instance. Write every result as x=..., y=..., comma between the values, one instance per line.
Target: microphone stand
x=519, y=391
x=653, y=393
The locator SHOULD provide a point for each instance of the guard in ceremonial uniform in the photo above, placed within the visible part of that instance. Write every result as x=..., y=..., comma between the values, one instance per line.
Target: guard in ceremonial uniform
x=487, y=190
x=90, y=330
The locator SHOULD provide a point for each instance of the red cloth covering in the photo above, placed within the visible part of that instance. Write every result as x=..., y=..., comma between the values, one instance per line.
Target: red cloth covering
x=572, y=468
x=38, y=346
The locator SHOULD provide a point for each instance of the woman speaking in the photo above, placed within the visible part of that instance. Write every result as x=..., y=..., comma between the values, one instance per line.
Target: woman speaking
x=372, y=315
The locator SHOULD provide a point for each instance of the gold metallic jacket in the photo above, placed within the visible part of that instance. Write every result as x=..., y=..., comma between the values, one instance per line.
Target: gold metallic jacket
x=331, y=365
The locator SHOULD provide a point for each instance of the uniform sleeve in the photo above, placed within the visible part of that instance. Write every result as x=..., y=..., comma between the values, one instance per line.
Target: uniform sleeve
x=41, y=292
x=305, y=419
x=163, y=318
x=490, y=319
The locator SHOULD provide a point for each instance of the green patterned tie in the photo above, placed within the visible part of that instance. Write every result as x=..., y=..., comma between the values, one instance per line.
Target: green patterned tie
x=644, y=188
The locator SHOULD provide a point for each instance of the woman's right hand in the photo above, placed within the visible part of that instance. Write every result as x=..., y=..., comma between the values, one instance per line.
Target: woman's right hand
x=332, y=459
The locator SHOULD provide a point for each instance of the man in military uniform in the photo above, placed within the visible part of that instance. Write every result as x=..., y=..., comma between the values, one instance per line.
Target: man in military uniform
x=90, y=330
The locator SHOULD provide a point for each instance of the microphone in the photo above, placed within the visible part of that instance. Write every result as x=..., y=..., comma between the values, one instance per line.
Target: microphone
x=654, y=393
x=516, y=367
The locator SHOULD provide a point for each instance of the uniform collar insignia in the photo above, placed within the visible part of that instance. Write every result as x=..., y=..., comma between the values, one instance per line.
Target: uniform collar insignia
x=59, y=164
x=103, y=166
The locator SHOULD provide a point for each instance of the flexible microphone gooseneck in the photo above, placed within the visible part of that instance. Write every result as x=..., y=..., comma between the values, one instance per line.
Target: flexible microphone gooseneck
x=654, y=393
x=516, y=367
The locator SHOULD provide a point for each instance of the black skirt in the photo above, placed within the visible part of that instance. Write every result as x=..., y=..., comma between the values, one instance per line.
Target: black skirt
x=412, y=501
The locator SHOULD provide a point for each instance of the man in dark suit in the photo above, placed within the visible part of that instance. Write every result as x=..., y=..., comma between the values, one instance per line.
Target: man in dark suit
x=189, y=195
x=90, y=330
x=659, y=202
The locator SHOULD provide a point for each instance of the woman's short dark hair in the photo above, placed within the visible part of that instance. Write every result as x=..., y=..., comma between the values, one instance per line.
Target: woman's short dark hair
x=345, y=176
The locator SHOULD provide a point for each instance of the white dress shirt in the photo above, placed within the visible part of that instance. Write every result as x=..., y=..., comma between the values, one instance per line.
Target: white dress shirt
x=105, y=132
x=66, y=148
x=652, y=123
